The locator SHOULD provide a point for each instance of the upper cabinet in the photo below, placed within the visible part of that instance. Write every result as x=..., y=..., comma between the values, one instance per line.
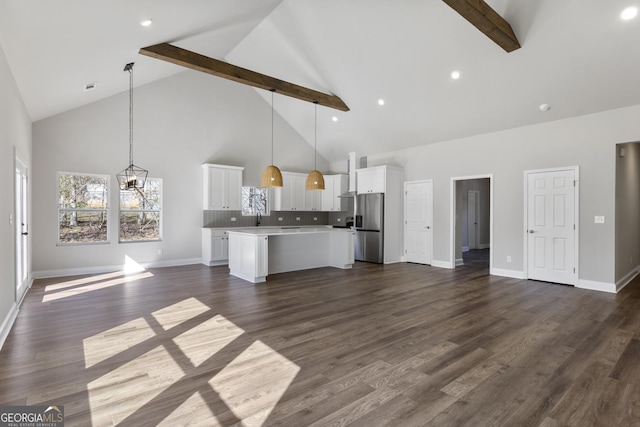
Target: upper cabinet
x=222, y=187
x=293, y=196
x=371, y=180
x=334, y=186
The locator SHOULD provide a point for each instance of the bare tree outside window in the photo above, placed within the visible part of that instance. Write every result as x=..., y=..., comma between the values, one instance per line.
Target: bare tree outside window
x=83, y=208
x=140, y=213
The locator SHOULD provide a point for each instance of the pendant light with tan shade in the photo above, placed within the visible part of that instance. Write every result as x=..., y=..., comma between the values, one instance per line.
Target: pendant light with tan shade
x=271, y=177
x=315, y=180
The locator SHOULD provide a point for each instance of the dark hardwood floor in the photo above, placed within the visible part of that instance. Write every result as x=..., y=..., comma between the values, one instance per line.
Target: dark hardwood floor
x=397, y=345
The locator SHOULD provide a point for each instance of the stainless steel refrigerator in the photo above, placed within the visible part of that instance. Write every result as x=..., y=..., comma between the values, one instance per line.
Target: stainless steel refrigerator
x=369, y=225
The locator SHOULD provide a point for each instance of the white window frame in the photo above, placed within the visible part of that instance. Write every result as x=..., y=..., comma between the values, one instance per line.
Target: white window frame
x=158, y=211
x=61, y=210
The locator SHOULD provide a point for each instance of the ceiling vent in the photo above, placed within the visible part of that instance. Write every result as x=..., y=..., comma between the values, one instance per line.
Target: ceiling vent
x=90, y=86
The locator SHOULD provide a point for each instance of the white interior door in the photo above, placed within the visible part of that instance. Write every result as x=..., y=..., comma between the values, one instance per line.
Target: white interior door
x=473, y=198
x=551, y=227
x=418, y=212
x=22, y=228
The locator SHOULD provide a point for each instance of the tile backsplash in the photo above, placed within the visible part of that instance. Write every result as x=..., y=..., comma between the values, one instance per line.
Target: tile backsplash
x=289, y=218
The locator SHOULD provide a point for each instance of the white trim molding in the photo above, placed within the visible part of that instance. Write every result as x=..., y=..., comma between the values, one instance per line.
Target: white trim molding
x=7, y=324
x=459, y=262
x=596, y=286
x=627, y=278
x=514, y=274
x=111, y=268
x=441, y=264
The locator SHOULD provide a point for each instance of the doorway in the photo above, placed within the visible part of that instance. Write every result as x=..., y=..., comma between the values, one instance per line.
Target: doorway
x=418, y=214
x=551, y=225
x=21, y=190
x=472, y=221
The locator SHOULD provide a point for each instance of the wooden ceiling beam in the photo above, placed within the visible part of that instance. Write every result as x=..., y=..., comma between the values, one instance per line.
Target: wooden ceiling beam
x=487, y=20
x=195, y=61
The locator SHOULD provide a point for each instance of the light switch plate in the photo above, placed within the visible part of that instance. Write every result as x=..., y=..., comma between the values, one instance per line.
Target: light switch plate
x=599, y=219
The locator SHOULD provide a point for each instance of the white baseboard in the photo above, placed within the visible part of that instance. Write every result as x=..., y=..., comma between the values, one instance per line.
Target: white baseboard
x=465, y=249
x=514, y=274
x=484, y=246
x=43, y=274
x=7, y=324
x=627, y=278
x=459, y=262
x=596, y=286
x=441, y=264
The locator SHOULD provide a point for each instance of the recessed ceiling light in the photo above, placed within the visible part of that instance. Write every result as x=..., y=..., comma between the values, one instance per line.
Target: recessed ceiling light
x=146, y=22
x=629, y=13
x=544, y=107
x=455, y=75
x=334, y=118
x=380, y=101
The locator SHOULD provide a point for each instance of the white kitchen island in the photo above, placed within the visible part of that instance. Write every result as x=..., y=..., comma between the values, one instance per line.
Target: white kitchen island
x=256, y=253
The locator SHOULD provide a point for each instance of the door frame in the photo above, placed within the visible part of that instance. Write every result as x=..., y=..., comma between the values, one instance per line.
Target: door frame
x=430, y=210
x=576, y=219
x=452, y=217
x=18, y=287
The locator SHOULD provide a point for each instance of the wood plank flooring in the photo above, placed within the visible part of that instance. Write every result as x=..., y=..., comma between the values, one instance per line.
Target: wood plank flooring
x=378, y=345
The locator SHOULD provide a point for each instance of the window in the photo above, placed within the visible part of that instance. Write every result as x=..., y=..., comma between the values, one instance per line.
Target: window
x=83, y=208
x=140, y=212
x=255, y=201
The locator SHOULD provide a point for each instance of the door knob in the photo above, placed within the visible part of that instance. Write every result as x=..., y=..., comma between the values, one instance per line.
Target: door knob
x=428, y=228
x=531, y=231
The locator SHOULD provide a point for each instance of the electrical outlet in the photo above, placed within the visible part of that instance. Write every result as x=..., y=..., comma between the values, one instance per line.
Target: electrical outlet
x=339, y=219
x=10, y=219
x=598, y=219
x=279, y=218
x=315, y=218
x=508, y=258
x=297, y=218
x=160, y=251
x=233, y=219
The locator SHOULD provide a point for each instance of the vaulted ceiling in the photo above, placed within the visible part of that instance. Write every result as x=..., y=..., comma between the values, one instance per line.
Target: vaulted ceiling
x=578, y=56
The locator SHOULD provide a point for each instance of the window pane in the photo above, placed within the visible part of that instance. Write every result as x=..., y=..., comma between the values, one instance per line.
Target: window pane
x=135, y=226
x=255, y=201
x=83, y=226
x=82, y=191
x=146, y=199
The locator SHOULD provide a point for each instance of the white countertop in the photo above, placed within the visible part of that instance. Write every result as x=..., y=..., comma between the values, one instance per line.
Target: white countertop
x=274, y=231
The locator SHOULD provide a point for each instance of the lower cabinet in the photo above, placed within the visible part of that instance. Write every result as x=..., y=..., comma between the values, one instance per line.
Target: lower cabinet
x=215, y=246
x=249, y=258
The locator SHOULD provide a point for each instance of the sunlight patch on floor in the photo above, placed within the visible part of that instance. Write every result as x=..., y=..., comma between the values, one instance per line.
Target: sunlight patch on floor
x=173, y=315
x=252, y=384
x=206, y=339
x=125, y=389
x=193, y=411
x=92, y=285
x=178, y=364
x=109, y=343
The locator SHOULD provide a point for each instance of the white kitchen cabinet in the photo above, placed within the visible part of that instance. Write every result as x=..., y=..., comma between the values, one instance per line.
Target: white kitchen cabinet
x=371, y=180
x=291, y=197
x=249, y=257
x=222, y=187
x=334, y=186
x=313, y=199
x=215, y=246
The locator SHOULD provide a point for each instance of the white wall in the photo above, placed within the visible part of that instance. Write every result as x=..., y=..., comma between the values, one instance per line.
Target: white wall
x=587, y=141
x=15, y=133
x=179, y=123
